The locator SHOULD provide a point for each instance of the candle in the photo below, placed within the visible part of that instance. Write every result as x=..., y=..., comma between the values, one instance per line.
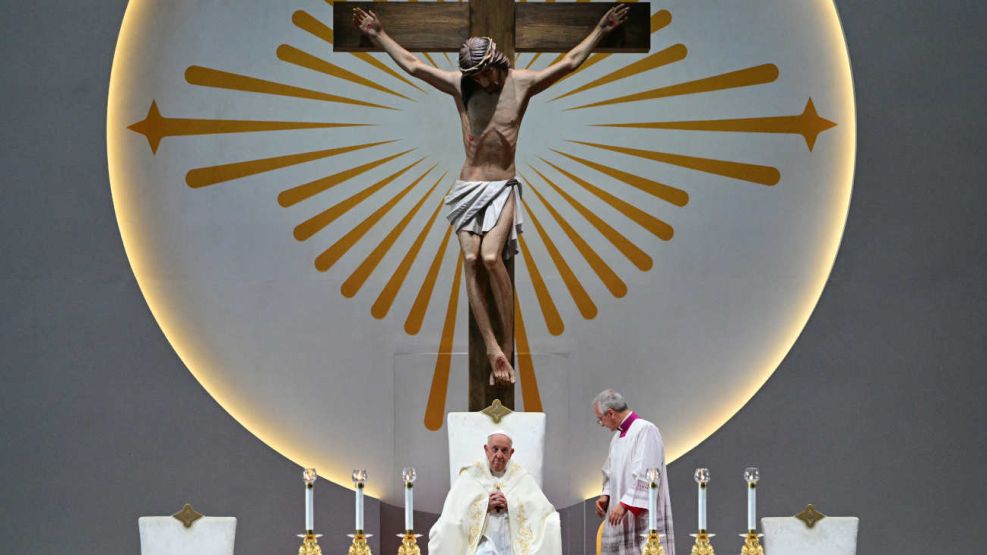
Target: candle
x=359, y=479
x=702, y=478
x=309, y=476
x=309, y=509
x=653, y=476
x=751, y=475
x=409, y=498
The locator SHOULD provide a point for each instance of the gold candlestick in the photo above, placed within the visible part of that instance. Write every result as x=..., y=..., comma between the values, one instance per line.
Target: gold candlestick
x=359, y=545
x=653, y=545
x=409, y=543
x=310, y=545
x=702, y=546
x=752, y=544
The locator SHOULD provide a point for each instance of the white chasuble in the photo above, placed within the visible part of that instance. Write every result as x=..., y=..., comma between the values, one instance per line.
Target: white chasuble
x=625, y=481
x=530, y=525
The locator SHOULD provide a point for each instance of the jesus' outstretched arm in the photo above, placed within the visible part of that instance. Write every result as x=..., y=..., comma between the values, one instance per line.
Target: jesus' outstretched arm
x=370, y=25
x=544, y=78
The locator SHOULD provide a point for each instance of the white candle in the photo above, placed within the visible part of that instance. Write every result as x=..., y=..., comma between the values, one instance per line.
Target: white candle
x=702, y=507
x=309, y=510
x=359, y=507
x=409, y=511
x=751, y=507
x=653, y=506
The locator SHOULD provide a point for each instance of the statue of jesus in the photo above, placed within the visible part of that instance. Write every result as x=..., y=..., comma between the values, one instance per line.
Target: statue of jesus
x=491, y=98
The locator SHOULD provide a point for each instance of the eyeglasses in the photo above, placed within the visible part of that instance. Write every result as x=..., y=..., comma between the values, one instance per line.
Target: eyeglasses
x=599, y=419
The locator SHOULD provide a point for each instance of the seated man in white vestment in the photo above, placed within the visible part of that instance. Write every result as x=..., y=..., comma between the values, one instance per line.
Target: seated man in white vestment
x=496, y=508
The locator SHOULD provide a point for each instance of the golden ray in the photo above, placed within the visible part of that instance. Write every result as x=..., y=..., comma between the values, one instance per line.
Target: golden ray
x=435, y=407
x=579, y=295
x=756, y=75
x=156, y=127
x=430, y=60
x=208, y=77
x=318, y=222
x=330, y=256
x=533, y=59
x=753, y=173
x=413, y=323
x=551, y=314
x=678, y=197
x=659, y=20
x=211, y=175
x=670, y=55
x=448, y=59
x=635, y=254
x=642, y=218
x=384, y=301
x=307, y=22
x=808, y=124
x=292, y=55
x=297, y=194
x=359, y=276
x=606, y=274
x=525, y=366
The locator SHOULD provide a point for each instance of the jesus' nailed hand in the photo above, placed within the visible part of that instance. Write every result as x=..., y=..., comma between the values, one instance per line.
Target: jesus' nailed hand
x=491, y=98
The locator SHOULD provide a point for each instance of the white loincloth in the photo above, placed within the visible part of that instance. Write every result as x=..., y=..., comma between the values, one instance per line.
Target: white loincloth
x=475, y=206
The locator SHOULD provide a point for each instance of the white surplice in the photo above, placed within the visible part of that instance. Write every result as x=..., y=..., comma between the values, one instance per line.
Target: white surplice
x=625, y=481
x=530, y=526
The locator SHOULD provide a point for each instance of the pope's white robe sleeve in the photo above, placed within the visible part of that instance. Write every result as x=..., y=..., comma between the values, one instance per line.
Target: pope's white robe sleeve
x=464, y=504
x=606, y=477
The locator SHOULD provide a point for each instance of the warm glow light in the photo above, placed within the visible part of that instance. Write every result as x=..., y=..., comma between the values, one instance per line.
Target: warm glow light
x=828, y=250
x=186, y=346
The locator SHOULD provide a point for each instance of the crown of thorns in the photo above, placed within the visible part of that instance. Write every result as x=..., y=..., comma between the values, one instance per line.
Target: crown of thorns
x=484, y=60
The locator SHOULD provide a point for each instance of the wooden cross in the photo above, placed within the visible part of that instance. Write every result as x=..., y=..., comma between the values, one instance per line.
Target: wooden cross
x=515, y=27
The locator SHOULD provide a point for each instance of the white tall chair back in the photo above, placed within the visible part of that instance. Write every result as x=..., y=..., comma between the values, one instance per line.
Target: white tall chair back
x=165, y=535
x=468, y=433
x=833, y=535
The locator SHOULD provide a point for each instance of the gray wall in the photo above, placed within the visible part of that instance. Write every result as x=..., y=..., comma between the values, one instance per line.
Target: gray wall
x=878, y=411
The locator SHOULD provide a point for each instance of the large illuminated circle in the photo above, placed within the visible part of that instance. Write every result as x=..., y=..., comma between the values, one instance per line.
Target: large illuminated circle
x=279, y=203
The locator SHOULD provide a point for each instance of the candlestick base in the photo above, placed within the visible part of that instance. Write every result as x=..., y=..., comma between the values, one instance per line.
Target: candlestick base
x=752, y=544
x=702, y=545
x=359, y=545
x=310, y=544
x=409, y=543
x=652, y=546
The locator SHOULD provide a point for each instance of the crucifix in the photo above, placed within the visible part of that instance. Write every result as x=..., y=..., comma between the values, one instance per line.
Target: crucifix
x=521, y=27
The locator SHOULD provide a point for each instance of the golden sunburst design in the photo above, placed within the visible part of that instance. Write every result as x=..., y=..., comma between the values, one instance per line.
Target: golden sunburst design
x=549, y=173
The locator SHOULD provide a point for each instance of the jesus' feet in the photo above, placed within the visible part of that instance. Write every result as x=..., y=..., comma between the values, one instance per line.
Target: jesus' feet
x=503, y=373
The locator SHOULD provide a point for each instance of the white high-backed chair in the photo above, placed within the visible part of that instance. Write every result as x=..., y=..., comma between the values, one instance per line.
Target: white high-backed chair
x=168, y=535
x=793, y=535
x=468, y=433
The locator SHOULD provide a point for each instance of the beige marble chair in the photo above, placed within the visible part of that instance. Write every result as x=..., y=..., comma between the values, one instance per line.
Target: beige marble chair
x=187, y=533
x=468, y=433
x=793, y=535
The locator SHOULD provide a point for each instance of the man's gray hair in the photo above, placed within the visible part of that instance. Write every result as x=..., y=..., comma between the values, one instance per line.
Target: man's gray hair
x=610, y=399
